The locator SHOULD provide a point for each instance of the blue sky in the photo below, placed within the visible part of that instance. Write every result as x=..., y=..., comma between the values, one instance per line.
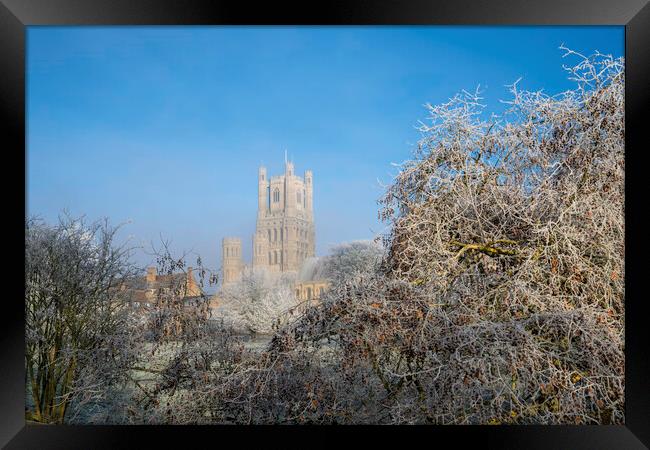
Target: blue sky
x=166, y=126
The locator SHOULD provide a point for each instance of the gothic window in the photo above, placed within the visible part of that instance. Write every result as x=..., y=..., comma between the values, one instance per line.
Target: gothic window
x=269, y=235
x=298, y=293
x=275, y=257
x=304, y=200
x=281, y=234
x=320, y=292
x=270, y=262
x=268, y=197
x=298, y=197
x=276, y=195
x=308, y=293
x=275, y=234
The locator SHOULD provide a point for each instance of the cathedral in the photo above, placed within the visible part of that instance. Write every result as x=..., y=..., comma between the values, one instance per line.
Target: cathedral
x=284, y=234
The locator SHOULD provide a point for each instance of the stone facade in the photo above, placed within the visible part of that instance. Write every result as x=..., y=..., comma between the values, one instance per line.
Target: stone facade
x=311, y=290
x=284, y=234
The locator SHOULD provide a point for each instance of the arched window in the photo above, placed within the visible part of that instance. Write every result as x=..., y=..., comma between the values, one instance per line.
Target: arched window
x=276, y=195
x=298, y=199
x=269, y=235
x=304, y=199
x=281, y=234
x=275, y=234
x=275, y=257
x=297, y=293
x=308, y=293
x=320, y=292
x=270, y=262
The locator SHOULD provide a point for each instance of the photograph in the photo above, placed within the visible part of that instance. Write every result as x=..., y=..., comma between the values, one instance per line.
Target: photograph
x=325, y=225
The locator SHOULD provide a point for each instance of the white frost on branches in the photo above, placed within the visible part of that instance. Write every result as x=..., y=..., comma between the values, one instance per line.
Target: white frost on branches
x=258, y=302
x=350, y=259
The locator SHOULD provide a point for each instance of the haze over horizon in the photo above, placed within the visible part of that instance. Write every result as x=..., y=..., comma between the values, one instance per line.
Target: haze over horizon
x=167, y=126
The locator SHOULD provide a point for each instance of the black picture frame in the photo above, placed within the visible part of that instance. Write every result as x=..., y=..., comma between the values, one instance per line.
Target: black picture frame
x=16, y=15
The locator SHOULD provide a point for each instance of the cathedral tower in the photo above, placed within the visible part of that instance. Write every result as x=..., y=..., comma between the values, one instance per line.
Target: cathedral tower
x=284, y=234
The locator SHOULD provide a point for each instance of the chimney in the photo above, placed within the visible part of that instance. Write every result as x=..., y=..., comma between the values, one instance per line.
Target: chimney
x=151, y=274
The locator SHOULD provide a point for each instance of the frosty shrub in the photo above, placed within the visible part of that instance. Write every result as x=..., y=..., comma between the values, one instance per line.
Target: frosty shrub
x=516, y=228
x=176, y=345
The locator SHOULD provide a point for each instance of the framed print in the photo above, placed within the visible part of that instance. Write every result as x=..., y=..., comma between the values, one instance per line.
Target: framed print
x=403, y=219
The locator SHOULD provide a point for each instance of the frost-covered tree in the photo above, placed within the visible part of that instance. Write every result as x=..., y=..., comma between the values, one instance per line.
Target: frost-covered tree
x=76, y=322
x=351, y=259
x=259, y=302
